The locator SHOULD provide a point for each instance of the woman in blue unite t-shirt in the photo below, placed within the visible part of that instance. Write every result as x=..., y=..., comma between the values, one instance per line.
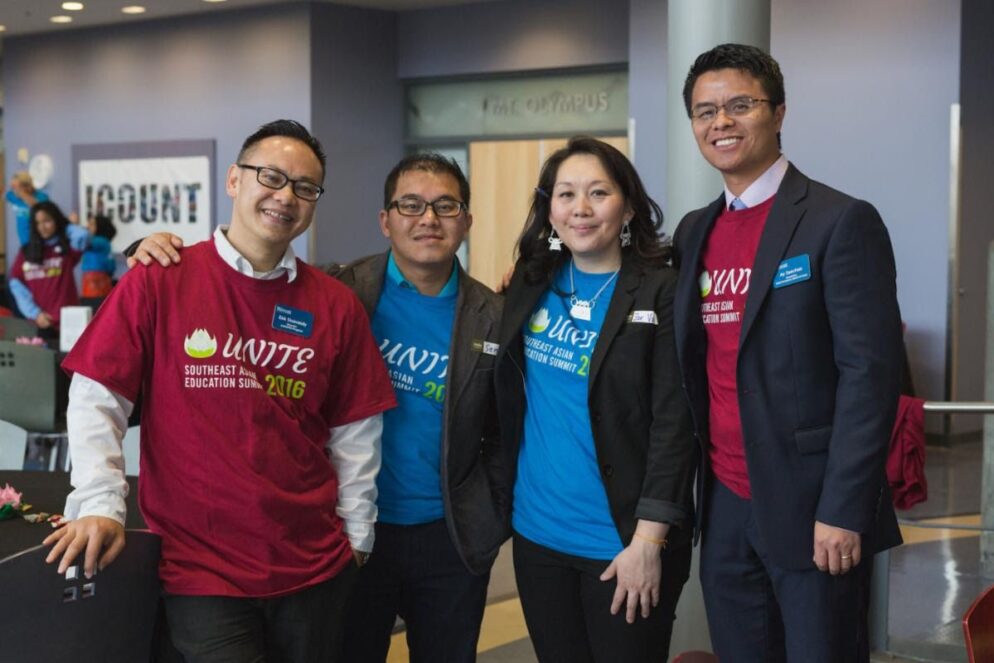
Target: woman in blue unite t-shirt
x=593, y=415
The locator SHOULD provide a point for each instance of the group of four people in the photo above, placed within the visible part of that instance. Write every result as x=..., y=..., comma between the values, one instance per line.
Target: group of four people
x=575, y=411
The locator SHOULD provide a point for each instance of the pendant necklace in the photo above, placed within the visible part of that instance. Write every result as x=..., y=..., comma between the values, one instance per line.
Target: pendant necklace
x=580, y=309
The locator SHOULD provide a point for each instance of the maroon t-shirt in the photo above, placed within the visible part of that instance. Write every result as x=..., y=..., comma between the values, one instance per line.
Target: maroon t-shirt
x=241, y=380
x=725, y=271
x=51, y=281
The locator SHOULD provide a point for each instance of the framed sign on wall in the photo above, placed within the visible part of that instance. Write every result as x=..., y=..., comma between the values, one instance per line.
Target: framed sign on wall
x=147, y=187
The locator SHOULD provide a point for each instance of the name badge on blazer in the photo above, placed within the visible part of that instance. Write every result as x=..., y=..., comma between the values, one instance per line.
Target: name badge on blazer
x=644, y=317
x=486, y=347
x=793, y=270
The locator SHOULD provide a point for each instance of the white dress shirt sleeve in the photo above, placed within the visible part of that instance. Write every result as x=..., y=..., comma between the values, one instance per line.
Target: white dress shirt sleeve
x=97, y=420
x=354, y=450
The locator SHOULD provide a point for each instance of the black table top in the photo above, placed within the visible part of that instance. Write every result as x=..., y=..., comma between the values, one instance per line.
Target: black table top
x=47, y=491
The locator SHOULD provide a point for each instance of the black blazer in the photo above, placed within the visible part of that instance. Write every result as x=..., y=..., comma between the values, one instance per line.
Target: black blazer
x=819, y=367
x=474, y=472
x=639, y=415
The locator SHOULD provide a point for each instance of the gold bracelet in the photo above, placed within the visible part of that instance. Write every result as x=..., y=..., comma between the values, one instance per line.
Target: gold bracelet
x=658, y=542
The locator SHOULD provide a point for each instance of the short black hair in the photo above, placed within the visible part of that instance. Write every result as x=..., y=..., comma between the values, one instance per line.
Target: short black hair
x=290, y=129
x=743, y=57
x=429, y=162
x=104, y=226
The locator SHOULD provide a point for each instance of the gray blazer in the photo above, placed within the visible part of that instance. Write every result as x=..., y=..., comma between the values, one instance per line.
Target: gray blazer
x=474, y=471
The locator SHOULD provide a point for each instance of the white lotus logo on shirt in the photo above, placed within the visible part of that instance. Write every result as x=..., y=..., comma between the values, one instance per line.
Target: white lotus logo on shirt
x=704, y=281
x=200, y=344
x=540, y=321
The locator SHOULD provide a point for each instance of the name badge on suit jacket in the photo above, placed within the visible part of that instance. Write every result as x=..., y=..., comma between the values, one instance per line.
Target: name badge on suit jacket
x=793, y=270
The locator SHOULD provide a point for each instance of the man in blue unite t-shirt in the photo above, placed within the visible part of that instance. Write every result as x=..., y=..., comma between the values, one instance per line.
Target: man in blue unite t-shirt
x=441, y=518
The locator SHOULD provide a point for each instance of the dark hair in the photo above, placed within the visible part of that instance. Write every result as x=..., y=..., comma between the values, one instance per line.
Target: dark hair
x=290, y=129
x=738, y=56
x=36, y=245
x=429, y=162
x=647, y=246
x=104, y=227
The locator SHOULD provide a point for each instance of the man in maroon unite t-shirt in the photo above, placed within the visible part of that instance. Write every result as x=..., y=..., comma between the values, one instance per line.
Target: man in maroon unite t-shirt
x=789, y=338
x=263, y=392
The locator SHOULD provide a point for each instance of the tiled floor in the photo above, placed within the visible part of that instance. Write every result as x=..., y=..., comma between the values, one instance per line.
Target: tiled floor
x=936, y=576
x=933, y=578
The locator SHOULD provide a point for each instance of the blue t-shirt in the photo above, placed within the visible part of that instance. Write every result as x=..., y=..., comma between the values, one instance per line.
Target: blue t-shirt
x=413, y=332
x=559, y=498
x=97, y=257
x=22, y=213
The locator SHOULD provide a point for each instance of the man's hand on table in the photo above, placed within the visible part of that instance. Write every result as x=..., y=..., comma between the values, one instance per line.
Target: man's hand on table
x=100, y=539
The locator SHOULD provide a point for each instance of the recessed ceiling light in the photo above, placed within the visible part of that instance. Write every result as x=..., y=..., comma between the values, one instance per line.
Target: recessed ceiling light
x=215, y=0
x=72, y=6
x=61, y=19
x=3, y=28
x=133, y=9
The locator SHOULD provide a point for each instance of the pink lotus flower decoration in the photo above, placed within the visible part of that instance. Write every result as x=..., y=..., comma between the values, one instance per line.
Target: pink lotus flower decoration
x=10, y=496
x=10, y=502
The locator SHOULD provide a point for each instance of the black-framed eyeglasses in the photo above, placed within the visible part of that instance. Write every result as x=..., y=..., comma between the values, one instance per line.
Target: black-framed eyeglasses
x=272, y=178
x=443, y=207
x=735, y=107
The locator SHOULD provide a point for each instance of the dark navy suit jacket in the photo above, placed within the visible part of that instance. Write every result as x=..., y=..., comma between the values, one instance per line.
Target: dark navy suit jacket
x=818, y=371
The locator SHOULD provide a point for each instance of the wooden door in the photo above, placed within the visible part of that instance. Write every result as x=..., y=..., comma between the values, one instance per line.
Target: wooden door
x=503, y=175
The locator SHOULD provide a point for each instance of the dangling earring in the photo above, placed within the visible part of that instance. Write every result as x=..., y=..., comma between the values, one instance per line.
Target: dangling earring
x=626, y=235
x=555, y=244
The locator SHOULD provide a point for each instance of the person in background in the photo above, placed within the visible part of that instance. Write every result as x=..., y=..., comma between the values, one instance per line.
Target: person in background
x=260, y=447
x=98, y=264
x=592, y=413
x=41, y=278
x=22, y=196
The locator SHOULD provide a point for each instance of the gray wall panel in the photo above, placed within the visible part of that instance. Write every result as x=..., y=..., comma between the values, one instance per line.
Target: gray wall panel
x=359, y=116
x=977, y=217
x=514, y=35
x=647, y=97
x=869, y=87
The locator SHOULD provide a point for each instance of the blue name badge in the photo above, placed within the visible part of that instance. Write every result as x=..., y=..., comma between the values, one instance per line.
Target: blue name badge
x=293, y=320
x=793, y=270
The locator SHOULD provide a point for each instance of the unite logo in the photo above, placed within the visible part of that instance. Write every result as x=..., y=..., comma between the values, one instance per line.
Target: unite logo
x=733, y=281
x=412, y=358
x=200, y=344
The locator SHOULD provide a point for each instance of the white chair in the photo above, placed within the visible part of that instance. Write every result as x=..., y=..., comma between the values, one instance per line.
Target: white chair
x=132, y=451
x=13, y=443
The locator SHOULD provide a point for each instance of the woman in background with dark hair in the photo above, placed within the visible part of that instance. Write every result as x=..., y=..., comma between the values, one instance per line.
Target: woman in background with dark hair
x=41, y=279
x=590, y=402
x=98, y=264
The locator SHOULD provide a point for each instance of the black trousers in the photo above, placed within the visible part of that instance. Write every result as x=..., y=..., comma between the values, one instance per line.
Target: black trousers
x=415, y=572
x=568, y=608
x=302, y=627
x=759, y=612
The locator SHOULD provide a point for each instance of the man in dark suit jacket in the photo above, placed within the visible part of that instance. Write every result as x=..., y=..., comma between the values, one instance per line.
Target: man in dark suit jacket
x=789, y=338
